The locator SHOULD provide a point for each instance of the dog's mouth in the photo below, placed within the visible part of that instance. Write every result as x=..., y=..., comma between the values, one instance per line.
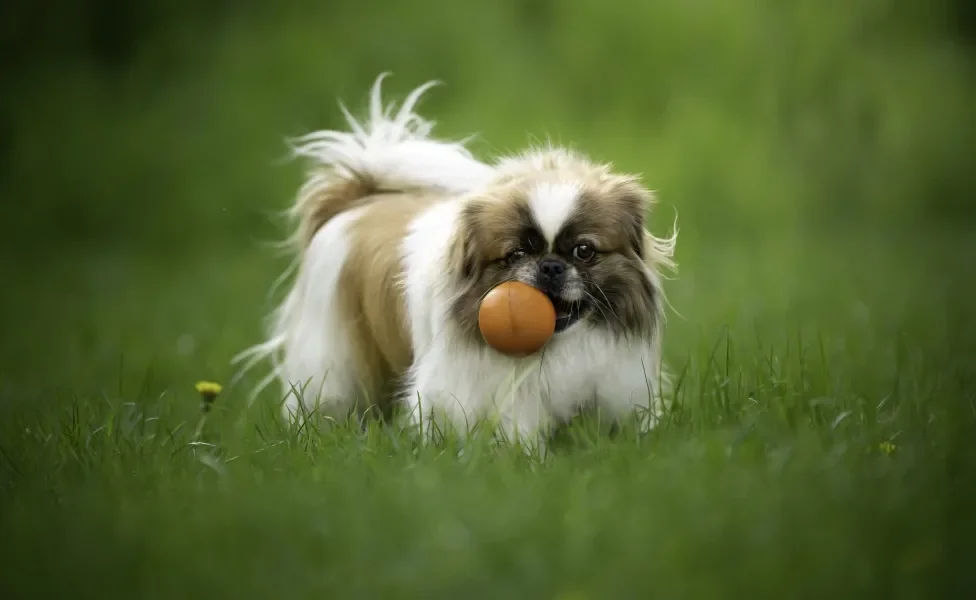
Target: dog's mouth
x=567, y=313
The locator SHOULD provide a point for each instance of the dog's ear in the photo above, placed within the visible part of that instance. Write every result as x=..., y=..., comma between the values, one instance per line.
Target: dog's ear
x=656, y=252
x=460, y=256
x=463, y=249
x=632, y=204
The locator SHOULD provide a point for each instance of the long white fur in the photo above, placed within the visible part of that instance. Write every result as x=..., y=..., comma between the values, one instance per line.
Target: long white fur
x=452, y=382
x=395, y=150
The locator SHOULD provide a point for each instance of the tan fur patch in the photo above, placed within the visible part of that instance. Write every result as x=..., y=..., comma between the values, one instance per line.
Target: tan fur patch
x=370, y=293
x=492, y=225
x=322, y=198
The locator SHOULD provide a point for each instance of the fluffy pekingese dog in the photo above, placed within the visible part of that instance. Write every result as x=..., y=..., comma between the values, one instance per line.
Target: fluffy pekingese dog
x=399, y=238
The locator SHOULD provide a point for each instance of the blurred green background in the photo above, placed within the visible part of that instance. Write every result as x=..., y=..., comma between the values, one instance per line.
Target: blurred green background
x=808, y=148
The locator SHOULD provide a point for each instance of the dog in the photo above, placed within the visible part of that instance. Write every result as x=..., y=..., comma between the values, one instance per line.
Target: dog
x=399, y=236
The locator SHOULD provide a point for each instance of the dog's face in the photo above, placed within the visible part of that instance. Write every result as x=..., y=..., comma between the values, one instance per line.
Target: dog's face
x=574, y=231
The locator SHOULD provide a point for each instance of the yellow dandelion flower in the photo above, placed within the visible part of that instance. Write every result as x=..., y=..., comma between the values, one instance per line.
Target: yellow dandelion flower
x=887, y=447
x=209, y=389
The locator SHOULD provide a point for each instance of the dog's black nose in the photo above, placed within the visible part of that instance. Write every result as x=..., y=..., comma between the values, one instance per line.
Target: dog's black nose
x=552, y=269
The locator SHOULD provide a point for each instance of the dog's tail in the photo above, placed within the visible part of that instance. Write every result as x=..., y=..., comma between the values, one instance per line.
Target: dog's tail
x=387, y=152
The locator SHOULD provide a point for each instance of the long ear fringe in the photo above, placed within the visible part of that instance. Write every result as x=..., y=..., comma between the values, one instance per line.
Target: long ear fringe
x=661, y=249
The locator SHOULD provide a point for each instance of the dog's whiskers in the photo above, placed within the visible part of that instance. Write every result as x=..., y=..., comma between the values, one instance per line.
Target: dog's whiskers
x=605, y=303
x=609, y=305
x=596, y=304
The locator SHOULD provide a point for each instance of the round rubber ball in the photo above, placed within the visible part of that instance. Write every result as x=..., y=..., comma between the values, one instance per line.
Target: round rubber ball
x=516, y=319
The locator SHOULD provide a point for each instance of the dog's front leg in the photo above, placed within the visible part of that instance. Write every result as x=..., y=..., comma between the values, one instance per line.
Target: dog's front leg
x=633, y=391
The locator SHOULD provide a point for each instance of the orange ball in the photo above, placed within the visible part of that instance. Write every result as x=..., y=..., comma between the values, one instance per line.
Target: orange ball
x=516, y=319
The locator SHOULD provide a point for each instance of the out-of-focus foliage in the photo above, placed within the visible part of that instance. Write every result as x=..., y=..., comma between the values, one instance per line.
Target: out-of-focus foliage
x=151, y=122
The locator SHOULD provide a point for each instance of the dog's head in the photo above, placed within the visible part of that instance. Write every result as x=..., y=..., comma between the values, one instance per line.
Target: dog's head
x=570, y=228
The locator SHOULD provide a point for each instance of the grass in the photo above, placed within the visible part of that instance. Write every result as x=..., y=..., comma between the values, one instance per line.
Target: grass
x=814, y=449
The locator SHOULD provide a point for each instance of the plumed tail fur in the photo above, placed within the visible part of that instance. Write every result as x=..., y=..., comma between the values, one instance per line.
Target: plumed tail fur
x=389, y=151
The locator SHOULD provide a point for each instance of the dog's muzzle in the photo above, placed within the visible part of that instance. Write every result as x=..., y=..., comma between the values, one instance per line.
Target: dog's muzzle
x=561, y=282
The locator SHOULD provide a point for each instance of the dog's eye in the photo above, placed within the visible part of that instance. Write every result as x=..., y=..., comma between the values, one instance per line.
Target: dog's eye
x=584, y=252
x=514, y=255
